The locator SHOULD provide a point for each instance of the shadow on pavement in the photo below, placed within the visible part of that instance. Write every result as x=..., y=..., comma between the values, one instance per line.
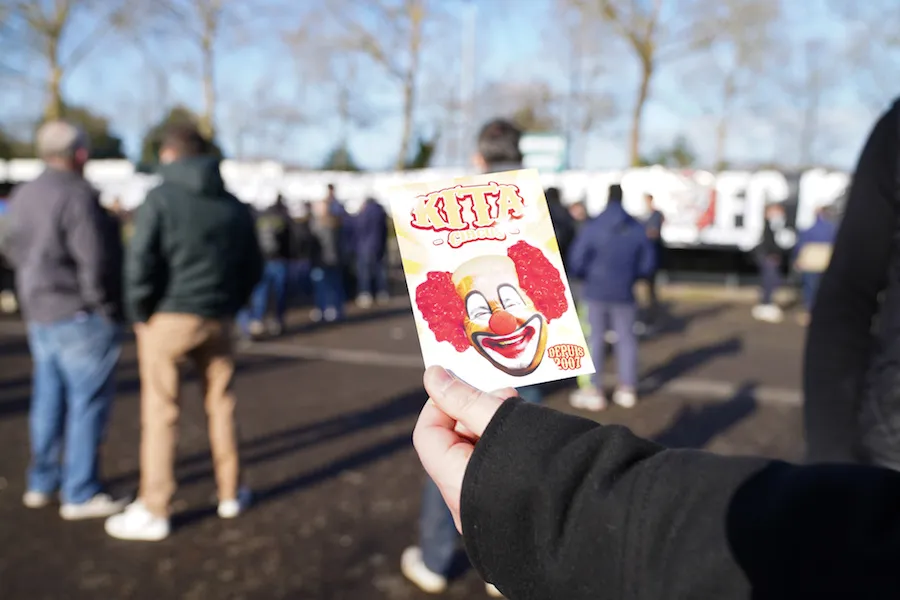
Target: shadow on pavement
x=685, y=362
x=261, y=496
x=354, y=319
x=131, y=383
x=198, y=466
x=15, y=346
x=695, y=427
x=670, y=324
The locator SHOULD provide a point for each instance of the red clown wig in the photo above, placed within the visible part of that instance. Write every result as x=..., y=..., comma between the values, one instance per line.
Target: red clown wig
x=444, y=310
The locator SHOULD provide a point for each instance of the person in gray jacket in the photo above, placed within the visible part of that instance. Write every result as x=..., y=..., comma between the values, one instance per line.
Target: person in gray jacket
x=67, y=258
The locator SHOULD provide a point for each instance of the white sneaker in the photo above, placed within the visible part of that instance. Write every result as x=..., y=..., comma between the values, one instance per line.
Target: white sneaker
x=229, y=509
x=640, y=328
x=256, y=328
x=330, y=314
x=315, y=315
x=8, y=302
x=625, y=398
x=32, y=499
x=492, y=590
x=383, y=298
x=137, y=523
x=364, y=301
x=101, y=505
x=611, y=337
x=274, y=328
x=769, y=313
x=413, y=568
x=588, y=399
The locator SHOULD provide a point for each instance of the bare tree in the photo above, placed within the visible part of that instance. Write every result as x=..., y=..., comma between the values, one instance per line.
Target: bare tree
x=261, y=123
x=588, y=104
x=207, y=25
x=871, y=47
x=746, y=44
x=45, y=29
x=390, y=33
x=656, y=32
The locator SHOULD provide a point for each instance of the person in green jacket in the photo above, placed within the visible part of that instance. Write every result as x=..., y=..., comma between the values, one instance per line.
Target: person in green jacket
x=192, y=263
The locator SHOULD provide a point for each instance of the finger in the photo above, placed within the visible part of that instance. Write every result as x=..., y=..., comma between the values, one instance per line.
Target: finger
x=502, y=394
x=505, y=393
x=460, y=401
x=438, y=445
x=464, y=432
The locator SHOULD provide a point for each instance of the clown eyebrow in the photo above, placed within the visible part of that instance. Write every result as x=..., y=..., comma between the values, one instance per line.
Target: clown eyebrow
x=480, y=295
x=514, y=291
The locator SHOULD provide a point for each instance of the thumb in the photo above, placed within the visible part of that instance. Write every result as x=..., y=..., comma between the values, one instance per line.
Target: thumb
x=470, y=407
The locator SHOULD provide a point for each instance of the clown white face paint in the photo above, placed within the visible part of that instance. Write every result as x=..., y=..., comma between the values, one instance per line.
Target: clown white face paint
x=501, y=321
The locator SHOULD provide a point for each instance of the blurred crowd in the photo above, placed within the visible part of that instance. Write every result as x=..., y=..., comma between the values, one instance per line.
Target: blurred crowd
x=193, y=261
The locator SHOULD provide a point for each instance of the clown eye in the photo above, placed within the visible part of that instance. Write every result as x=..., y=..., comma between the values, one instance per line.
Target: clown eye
x=477, y=307
x=509, y=297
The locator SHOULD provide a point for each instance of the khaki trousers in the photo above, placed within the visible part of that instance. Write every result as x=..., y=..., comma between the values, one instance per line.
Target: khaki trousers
x=165, y=341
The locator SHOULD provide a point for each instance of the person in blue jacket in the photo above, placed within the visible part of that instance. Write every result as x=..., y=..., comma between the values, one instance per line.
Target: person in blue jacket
x=370, y=239
x=609, y=255
x=820, y=237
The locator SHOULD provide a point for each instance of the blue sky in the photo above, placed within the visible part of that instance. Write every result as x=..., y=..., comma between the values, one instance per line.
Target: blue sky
x=518, y=43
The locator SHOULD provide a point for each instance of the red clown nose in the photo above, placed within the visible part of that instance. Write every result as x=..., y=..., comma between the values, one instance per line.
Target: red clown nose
x=503, y=323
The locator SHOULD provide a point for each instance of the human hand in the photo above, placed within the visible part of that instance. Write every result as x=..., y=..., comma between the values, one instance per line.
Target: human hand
x=452, y=420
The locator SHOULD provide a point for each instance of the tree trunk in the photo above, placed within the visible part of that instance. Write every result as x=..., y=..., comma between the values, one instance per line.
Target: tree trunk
x=637, y=115
x=207, y=119
x=728, y=92
x=55, y=107
x=416, y=17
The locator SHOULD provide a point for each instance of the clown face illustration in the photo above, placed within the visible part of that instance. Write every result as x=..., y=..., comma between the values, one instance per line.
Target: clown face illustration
x=501, y=321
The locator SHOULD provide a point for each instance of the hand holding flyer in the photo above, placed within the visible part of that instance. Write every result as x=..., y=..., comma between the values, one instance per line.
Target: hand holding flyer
x=489, y=291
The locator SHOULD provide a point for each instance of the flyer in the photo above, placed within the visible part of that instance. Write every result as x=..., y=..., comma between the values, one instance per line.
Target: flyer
x=489, y=292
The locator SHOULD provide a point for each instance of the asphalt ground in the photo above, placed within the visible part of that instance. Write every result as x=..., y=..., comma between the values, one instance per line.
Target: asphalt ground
x=325, y=419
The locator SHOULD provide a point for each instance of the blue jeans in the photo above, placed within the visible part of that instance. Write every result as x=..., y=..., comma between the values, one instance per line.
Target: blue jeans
x=438, y=537
x=328, y=288
x=72, y=392
x=371, y=275
x=770, y=277
x=299, y=278
x=621, y=316
x=810, y=283
x=274, y=282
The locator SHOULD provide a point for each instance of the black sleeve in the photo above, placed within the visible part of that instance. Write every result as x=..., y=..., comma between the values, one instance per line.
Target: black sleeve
x=555, y=506
x=145, y=265
x=839, y=341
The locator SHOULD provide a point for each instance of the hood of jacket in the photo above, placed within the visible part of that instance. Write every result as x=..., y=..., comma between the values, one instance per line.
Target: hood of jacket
x=198, y=175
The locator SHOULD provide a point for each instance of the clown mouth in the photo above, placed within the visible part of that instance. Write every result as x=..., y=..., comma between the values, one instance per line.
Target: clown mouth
x=514, y=351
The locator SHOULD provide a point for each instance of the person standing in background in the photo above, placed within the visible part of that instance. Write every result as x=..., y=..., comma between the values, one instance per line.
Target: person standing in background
x=653, y=226
x=768, y=260
x=428, y=564
x=564, y=224
x=193, y=262
x=274, y=229
x=370, y=237
x=327, y=257
x=610, y=254
x=812, y=254
x=579, y=214
x=67, y=256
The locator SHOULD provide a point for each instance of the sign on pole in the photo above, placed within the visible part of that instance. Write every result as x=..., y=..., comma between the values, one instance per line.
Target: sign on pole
x=544, y=151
